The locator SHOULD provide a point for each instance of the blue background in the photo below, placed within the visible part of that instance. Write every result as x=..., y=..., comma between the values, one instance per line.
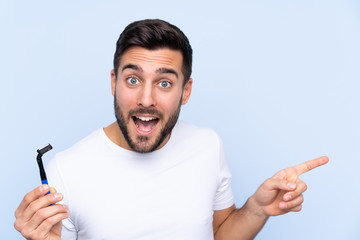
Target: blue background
x=278, y=80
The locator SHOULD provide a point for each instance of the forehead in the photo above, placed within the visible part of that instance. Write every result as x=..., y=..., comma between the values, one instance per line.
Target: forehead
x=163, y=57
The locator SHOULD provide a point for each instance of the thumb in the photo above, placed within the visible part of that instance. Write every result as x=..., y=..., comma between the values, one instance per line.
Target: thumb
x=52, y=190
x=276, y=184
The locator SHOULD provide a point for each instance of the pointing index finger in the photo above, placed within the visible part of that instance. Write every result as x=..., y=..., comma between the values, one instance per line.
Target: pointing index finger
x=309, y=165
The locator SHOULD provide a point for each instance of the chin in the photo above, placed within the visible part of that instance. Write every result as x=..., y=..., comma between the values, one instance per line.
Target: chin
x=145, y=144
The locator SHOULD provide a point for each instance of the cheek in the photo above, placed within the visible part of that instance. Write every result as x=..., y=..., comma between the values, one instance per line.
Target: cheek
x=169, y=102
x=124, y=99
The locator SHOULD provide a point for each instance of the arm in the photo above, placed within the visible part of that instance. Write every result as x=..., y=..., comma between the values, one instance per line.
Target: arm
x=36, y=219
x=230, y=223
x=278, y=195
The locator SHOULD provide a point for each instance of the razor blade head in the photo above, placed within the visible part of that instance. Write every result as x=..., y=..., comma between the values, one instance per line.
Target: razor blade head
x=44, y=149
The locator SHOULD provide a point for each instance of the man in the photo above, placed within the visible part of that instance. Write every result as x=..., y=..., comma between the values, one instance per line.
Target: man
x=148, y=175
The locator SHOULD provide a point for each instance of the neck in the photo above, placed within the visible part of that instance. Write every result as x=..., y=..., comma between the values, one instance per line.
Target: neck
x=114, y=133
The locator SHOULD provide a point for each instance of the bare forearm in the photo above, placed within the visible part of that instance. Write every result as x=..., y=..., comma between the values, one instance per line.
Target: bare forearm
x=243, y=223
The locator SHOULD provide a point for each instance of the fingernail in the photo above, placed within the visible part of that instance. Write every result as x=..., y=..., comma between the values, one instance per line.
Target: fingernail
x=291, y=185
x=57, y=195
x=287, y=197
x=283, y=205
x=44, y=188
x=66, y=207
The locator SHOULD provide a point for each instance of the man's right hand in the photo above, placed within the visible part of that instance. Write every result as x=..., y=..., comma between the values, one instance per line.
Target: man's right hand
x=36, y=219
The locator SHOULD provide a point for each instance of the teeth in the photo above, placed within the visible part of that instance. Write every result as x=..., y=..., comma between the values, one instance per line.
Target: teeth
x=146, y=119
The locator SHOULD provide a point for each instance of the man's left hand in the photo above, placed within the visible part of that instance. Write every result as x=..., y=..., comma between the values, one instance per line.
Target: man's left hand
x=283, y=192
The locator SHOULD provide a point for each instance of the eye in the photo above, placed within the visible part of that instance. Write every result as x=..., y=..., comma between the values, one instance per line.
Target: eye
x=132, y=80
x=165, y=84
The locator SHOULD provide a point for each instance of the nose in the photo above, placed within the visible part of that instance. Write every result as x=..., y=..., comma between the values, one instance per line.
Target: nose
x=146, y=96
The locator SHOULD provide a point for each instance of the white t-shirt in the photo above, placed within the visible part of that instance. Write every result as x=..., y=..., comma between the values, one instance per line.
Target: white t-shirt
x=171, y=193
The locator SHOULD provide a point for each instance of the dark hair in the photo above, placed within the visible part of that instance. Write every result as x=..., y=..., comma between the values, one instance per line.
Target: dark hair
x=154, y=34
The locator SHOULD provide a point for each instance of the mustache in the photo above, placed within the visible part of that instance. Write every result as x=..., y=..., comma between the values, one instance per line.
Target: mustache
x=150, y=111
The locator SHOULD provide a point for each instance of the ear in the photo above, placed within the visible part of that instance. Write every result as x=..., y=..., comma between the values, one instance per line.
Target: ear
x=113, y=82
x=186, y=92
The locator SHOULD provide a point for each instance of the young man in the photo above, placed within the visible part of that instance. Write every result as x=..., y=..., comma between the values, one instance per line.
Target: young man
x=148, y=175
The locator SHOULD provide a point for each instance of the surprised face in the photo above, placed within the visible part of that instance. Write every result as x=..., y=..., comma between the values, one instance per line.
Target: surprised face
x=148, y=94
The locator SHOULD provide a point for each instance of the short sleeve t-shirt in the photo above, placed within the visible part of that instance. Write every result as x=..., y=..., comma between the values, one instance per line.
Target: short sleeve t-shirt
x=171, y=193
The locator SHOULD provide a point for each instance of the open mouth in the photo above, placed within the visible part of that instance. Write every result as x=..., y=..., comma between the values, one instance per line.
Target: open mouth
x=145, y=125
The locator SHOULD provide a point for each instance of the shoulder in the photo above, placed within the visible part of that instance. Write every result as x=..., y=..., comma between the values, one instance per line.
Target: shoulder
x=85, y=147
x=194, y=133
x=66, y=165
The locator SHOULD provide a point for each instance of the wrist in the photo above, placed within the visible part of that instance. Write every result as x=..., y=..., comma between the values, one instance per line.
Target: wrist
x=252, y=208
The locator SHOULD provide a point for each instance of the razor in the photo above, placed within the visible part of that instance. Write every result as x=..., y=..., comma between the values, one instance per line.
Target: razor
x=41, y=152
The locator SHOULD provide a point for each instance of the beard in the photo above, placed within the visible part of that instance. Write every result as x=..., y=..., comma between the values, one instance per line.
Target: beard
x=142, y=144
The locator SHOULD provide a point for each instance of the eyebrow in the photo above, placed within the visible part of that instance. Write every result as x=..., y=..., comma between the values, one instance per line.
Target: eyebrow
x=132, y=66
x=160, y=70
x=167, y=70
